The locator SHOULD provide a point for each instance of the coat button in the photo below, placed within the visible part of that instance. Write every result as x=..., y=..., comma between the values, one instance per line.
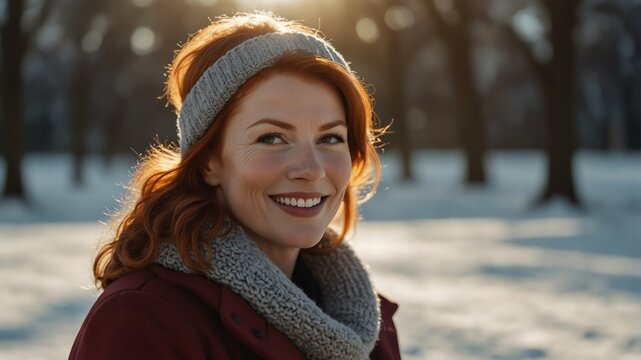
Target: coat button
x=235, y=317
x=257, y=333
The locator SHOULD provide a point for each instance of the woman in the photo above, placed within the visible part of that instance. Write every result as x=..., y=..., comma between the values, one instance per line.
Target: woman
x=233, y=247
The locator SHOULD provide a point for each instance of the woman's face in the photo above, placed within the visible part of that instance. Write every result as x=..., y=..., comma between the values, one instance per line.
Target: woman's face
x=285, y=161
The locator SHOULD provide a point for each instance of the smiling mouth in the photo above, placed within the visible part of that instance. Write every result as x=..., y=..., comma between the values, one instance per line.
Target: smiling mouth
x=295, y=202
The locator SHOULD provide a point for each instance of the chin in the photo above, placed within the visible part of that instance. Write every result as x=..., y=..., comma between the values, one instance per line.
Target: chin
x=302, y=240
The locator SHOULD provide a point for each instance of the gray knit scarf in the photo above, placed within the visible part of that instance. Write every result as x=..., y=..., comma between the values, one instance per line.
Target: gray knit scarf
x=347, y=327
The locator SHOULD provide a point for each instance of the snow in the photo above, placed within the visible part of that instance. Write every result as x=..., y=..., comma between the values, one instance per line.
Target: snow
x=478, y=272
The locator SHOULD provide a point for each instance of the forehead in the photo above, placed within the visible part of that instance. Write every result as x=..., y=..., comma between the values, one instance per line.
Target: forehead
x=293, y=98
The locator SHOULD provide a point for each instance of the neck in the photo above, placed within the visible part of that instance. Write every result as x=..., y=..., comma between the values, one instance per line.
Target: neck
x=283, y=257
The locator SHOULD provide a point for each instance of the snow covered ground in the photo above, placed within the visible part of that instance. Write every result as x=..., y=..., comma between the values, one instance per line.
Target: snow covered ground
x=478, y=273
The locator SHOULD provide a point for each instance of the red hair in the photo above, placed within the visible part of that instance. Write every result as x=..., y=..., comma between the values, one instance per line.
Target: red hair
x=168, y=198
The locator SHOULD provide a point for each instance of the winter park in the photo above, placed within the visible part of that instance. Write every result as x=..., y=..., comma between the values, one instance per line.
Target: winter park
x=506, y=221
x=477, y=276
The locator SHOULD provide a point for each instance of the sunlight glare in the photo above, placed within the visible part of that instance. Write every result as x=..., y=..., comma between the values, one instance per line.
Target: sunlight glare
x=259, y=3
x=202, y=2
x=399, y=18
x=367, y=30
x=142, y=40
x=528, y=24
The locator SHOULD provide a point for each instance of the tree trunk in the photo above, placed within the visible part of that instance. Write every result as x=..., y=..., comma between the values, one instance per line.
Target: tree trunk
x=469, y=109
x=79, y=81
x=13, y=49
x=631, y=96
x=396, y=66
x=559, y=124
x=112, y=129
x=79, y=97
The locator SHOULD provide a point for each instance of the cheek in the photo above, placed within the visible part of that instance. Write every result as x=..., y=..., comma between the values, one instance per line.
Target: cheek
x=340, y=168
x=252, y=172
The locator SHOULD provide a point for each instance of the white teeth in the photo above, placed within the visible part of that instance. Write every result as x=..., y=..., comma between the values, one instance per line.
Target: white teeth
x=302, y=203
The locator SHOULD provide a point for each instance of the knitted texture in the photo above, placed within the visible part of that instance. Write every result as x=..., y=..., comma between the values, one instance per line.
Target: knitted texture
x=222, y=79
x=347, y=327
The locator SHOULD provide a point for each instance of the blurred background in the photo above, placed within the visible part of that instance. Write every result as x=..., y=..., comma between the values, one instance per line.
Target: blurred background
x=507, y=220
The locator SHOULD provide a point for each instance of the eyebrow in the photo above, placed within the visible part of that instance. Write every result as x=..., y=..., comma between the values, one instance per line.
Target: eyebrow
x=288, y=126
x=333, y=124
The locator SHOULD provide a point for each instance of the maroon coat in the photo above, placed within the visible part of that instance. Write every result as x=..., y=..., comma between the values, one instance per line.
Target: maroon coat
x=158, y=313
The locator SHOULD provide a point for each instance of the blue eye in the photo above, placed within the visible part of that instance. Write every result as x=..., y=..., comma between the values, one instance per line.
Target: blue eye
x=332, y=139
x=271, y=138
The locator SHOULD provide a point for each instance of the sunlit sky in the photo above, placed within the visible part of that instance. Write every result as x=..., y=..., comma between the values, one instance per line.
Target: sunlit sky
x=249, y=3
x=266, y=2
x=244, y=3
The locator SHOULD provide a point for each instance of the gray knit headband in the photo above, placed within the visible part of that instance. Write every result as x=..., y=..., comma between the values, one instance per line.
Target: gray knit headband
x=222, y=79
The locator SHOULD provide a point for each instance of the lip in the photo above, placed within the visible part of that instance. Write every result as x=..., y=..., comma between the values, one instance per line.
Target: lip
x=299, y=195
x=301, y=212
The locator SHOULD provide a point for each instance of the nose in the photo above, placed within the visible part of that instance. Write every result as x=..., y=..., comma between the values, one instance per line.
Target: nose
x=305, y=165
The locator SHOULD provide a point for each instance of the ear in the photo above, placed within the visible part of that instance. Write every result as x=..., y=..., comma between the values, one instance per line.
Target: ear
x=211, y=172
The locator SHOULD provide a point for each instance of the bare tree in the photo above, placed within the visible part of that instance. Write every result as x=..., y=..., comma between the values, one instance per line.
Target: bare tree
x=614, y=61
x=15, y=42
x=557, y=82
x=80, y=15
x=560, y=126
x=396, y=74
x=454, y=29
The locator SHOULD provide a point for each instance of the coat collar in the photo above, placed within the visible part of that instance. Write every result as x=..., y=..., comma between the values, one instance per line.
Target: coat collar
x=237, y=316
x=347, y=325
